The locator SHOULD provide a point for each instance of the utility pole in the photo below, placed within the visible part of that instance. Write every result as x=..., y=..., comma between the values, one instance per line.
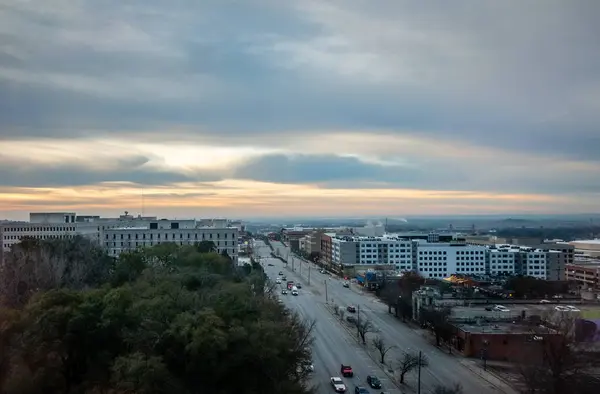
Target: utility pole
x=300, y=267
x=325, y=281
x=358, y=321
x=419, y=377
x=292, y=263
x=309, y=275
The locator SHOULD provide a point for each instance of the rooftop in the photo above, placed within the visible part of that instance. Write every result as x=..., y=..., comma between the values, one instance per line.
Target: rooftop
x=504, y=328
x=586, y=241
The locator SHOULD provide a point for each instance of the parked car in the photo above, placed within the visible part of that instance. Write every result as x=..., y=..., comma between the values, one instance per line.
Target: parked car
x=346, y=284
x=298, y=285
x=351, y=308
x=351, y=319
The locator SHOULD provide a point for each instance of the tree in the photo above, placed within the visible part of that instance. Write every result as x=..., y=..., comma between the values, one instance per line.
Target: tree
x=37, y=265
x=364, y=326
x=437, y=319
x=454, y=389
x=409, y=362
x=206, y=247
x=554, y=363
x=185, y=322
x=382, y=347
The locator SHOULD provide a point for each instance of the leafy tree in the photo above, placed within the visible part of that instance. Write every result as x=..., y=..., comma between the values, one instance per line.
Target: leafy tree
x=409, y=362
x=206, y=247
x=173, y=320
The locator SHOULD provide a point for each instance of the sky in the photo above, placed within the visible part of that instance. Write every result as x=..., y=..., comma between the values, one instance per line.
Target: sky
x=266, y=108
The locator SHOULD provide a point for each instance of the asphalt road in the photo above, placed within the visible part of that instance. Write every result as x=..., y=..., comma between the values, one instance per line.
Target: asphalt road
x=444, y=369
x=332, y=344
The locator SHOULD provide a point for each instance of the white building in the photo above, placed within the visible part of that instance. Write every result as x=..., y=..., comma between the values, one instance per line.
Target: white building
x=382, y=251
x=440, y=260
x=180, y=232
x=136, y=231
x=503, y=260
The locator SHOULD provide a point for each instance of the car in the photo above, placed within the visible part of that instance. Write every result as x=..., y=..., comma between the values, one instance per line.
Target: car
x=270, y=265
x=373, y=381
x=346, y=284
x=351, y=308
x=501, y=308
x=338, y=384
x=323, y=271
x=284, y=291
x=298, y=285
x=280, y=273
x=351, y=319
x=346, y=371
x=280, y=301
x=360, y=390
x=278, y=281
x=309, y=367
x=573, y=309
x=294, y=292
x=489, y=308
x=544, y=302
x=561, y=308
x=284, y=277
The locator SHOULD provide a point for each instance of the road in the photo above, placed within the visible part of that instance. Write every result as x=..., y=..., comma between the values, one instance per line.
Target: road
x=444, y=369
x=332, y=344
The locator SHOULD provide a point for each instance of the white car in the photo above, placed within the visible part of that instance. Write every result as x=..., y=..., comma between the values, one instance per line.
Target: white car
x=338, y=385
x=501, y=308
x=278, y=281
x=561, y=308
x=294, y=292
x=573, y=309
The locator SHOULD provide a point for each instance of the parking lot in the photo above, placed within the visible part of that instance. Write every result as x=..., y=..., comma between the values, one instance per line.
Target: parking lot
x=515, y=310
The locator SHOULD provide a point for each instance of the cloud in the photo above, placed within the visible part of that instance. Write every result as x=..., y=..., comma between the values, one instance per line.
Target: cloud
x=469, y=96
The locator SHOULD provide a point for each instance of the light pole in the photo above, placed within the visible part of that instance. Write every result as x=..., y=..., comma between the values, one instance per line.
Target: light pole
x=325, y=281
x=309, y=275
x=358, y=321
x=419, y=375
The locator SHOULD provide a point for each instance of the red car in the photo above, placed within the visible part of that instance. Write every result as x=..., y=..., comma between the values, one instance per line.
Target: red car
x=346, y=371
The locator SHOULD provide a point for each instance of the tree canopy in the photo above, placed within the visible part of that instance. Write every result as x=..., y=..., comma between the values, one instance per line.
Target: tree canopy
x=168, y=319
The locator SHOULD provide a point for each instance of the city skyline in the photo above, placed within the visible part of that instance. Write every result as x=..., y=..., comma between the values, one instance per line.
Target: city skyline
x=299, y=109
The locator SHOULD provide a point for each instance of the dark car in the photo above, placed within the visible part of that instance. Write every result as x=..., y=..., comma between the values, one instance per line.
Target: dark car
x=280, y=273
x=298, y=286
x=361, y=390
x=373, y=381
x=346, y=371
x=351, y=319
x=270, y=265
x=351, y=309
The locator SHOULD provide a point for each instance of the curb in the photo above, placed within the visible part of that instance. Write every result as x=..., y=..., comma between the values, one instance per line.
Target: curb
x=352, y=334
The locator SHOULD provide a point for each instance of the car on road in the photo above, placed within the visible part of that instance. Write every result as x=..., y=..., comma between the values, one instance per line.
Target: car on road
x=270, y=265
x=351, y=308
x=373, y=381
x=501, y=308
x=278, y=281
x=280, y=273
x=294, y=292
x=346, y=371
x=284, y=291
x=284, y=277
x=323, y=271
x=351, y=319
x=338, y=384
x=361, y=390
x=346, y=284
x=298, y=285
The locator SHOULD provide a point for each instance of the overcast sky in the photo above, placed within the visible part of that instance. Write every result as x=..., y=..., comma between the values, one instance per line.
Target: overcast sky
x=299, y=107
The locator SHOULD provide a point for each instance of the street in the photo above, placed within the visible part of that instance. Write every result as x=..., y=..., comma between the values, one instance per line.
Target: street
x=332, y=345
x=443, y=368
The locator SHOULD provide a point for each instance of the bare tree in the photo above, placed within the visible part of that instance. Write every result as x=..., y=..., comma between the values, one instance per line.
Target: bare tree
x=364, y=326
x=408, y=362
x=553, y=363
x=342, y=312
x=382, y=347
x=454, y=389
x=336, y=309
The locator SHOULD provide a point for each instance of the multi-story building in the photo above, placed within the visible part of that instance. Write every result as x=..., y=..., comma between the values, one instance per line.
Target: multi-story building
x=326, y=248
x=57, y=225
x=439, y=260
x=364, y=252
x=585, y=272
x=181, y=232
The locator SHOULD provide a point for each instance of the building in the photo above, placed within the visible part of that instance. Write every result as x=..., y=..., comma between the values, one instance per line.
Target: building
x=588, y=248
x=181, y=232
x=585, y=272
x=367, y=252
x=61, y=225
x=439, y=260
x=326, y=248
